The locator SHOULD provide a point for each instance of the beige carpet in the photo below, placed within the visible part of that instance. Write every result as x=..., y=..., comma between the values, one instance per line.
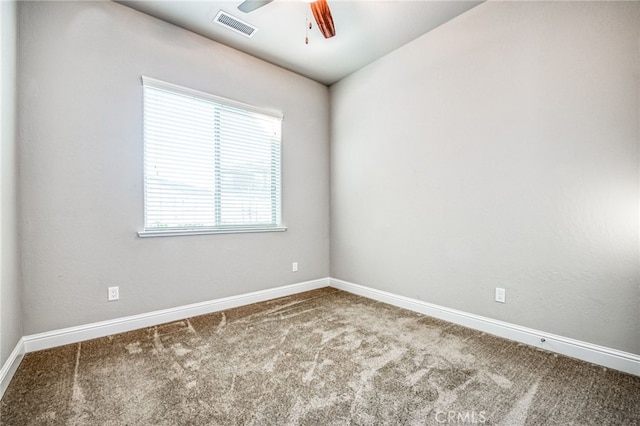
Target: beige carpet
x=324, y=357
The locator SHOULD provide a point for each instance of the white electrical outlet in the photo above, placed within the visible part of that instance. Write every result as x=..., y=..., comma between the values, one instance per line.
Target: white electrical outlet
x=294, y=267
x=501, y=295
x=114, y=293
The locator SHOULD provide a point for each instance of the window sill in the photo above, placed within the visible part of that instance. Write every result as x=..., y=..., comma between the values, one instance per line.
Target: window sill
x=185, y=232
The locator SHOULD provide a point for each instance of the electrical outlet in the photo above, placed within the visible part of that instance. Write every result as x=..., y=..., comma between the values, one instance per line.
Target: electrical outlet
x=113, y=293
x=294, y=267
x=501, y=295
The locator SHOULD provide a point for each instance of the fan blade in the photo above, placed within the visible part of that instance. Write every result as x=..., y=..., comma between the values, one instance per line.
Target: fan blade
x=321, y=12
x=251, y=5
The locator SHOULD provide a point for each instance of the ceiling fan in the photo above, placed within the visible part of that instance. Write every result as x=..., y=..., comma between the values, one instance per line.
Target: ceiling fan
x=320, y=9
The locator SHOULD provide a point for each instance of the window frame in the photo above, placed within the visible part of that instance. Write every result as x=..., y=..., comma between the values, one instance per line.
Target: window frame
x=220, y=229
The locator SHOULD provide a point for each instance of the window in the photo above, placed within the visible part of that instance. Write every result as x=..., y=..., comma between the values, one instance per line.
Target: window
x=211, y=165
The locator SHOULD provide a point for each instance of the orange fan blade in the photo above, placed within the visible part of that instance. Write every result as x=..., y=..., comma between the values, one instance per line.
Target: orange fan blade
x=321, y=12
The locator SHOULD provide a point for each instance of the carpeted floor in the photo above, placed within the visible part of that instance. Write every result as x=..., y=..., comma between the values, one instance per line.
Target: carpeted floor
x=323, y=357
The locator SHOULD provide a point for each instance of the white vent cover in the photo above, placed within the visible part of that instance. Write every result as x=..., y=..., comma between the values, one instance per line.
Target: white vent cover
x=235, y=24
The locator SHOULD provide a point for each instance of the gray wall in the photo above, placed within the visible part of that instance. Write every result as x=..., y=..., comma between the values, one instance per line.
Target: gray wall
x=10, y=288
x=81, y=168
x=499, y=150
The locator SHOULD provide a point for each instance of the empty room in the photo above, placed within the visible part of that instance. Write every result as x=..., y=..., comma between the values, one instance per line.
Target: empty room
x=287, y=212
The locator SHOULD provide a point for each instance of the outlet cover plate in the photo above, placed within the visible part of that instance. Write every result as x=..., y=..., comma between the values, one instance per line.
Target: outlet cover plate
x=113, y=293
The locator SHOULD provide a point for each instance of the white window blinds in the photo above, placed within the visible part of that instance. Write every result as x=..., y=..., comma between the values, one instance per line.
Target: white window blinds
x=210, y=164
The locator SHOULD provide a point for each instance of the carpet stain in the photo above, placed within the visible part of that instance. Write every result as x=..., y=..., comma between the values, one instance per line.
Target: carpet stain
x=323, y=357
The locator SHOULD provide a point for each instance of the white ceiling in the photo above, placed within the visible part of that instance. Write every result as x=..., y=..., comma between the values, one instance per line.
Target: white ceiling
x=365, y=29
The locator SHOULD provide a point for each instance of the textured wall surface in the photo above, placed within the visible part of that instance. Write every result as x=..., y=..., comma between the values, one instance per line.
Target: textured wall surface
x=10, y=289
x=81, y=168
x=499, y=150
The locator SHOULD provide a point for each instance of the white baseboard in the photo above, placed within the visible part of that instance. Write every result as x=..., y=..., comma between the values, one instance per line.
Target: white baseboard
x=601, y=355
x=50, y=339
x=10, y=366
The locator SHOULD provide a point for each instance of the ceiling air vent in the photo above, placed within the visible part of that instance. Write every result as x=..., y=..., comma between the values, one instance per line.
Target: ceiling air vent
x=235, y=24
